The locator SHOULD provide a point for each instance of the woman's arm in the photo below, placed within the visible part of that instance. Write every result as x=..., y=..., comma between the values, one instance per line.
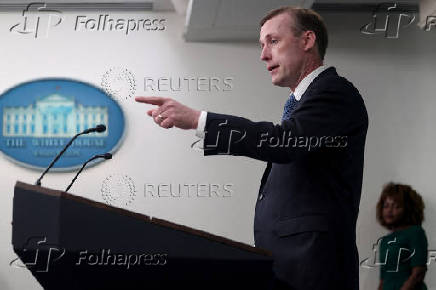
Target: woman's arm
x=380, y=285
x=417, y=276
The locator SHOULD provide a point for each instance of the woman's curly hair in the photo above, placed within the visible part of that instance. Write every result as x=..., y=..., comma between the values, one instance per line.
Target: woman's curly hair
x=406, y=197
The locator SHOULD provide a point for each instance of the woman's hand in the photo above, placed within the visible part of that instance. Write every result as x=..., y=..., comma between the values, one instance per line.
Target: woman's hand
x=380, y=285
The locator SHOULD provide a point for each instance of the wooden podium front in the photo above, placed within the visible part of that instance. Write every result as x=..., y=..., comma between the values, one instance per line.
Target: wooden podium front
x=70, y=242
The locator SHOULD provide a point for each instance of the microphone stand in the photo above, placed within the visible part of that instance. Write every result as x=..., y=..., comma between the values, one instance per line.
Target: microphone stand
x=98, y=128
x=105, y=156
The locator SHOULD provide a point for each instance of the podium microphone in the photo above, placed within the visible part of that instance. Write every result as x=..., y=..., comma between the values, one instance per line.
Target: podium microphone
x=105, y=156
x=99, y=129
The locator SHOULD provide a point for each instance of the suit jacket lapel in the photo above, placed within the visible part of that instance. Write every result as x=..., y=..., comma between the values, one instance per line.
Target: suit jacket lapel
x=326, y=72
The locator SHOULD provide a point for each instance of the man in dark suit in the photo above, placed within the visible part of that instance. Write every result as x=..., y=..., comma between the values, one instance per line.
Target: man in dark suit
x=309, y=195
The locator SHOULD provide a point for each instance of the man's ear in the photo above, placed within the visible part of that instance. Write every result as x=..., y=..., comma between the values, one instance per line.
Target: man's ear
x=309, y=40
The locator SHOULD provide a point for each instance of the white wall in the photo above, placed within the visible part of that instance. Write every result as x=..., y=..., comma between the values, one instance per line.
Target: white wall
x=395, y=77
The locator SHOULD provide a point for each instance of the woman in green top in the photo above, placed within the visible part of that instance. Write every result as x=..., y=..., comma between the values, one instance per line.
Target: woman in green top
x=403, y=252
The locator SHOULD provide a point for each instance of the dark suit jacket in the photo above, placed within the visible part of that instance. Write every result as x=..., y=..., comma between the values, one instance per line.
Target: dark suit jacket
x=309, y=195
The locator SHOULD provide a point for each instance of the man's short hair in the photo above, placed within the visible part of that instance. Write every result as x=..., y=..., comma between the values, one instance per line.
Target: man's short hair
x=304, y=20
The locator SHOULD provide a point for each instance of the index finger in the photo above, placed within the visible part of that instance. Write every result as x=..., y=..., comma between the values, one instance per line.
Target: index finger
x=151, y=100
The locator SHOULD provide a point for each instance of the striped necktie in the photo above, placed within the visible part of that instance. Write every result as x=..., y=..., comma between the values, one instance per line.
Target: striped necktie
x=290, y=105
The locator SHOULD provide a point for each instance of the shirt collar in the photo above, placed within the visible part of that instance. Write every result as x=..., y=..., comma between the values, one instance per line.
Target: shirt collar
x=304, y=84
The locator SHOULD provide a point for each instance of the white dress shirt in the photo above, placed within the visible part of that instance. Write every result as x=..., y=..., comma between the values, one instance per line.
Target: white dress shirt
x=299, y=91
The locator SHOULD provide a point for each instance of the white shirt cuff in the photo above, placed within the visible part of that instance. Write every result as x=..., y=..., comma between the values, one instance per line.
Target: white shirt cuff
x=201, y=125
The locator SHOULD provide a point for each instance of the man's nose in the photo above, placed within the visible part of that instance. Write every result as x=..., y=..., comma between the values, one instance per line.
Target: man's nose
x=265, y=54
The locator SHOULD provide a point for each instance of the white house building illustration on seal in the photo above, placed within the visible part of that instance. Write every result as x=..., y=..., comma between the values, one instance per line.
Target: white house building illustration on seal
x=53, y=116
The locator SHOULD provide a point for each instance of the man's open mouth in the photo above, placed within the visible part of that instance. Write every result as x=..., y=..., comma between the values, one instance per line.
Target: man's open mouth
x=273, y=67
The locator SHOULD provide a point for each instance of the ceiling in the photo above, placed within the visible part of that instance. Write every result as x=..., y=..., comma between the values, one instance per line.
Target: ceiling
x=217, y=20
x=238, y=20
x=230, y=20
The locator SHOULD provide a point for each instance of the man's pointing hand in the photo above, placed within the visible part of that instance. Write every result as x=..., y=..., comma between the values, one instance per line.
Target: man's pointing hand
x=171, y=113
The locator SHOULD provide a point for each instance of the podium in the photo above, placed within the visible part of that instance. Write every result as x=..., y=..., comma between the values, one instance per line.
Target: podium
x=70, y=242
